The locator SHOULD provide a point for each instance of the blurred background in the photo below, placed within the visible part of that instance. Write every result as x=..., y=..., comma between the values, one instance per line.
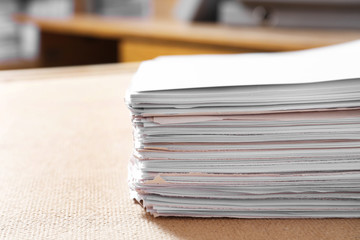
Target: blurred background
x=47, y=33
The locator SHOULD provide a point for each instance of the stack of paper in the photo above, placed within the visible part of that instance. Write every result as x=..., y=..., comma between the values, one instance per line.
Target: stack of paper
x=248, y=135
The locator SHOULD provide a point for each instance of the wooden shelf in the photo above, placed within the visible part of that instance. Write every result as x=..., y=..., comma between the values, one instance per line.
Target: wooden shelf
x=19, y=64
x=141, y=39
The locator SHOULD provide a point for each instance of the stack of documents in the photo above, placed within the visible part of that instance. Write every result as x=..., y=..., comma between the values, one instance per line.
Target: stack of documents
x=249, y=135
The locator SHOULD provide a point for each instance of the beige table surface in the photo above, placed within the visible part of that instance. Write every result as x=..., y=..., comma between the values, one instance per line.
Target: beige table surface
x=65, y=139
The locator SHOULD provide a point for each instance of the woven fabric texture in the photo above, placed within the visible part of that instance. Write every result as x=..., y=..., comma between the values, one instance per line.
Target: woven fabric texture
x=65, y=140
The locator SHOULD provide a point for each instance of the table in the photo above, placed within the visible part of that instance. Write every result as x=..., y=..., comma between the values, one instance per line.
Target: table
x=65, y=140
x=89, y=39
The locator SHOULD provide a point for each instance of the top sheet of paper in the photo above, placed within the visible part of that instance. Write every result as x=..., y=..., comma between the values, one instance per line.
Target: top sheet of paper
x=315, y=65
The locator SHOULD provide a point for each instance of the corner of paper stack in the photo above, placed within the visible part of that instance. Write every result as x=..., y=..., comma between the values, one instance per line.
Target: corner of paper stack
x=259, y=135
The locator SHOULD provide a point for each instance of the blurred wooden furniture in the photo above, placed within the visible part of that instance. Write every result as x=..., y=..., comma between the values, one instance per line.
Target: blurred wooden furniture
x=19, y=64
x=87, y=39
x=65, y=143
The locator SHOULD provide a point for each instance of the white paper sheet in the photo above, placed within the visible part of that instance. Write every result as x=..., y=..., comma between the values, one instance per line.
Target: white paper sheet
x=321, y=64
